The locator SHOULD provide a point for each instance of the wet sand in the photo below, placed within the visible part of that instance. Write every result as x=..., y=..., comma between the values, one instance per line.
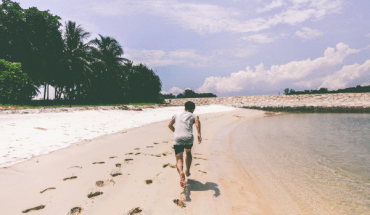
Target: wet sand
x=131, y=172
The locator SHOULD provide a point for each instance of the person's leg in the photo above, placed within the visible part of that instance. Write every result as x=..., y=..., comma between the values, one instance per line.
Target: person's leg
x=179, y=164
x=188, y=160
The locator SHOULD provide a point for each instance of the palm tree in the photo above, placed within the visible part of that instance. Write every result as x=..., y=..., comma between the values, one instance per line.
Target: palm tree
x=76, y=61
x=109, y=68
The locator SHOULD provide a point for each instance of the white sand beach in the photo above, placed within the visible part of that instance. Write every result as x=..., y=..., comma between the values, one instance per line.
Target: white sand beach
x=131, y=169
x=26, y=135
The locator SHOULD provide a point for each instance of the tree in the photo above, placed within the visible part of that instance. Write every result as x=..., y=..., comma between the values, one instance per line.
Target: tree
x=286, y=91
x=15, y=85
x=31, y=37
x=110, y=77
x=143, y=84
x=191, y=94
x=77, y=68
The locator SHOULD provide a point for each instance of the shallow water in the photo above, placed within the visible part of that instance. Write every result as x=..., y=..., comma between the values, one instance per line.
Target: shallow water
x=314, y=163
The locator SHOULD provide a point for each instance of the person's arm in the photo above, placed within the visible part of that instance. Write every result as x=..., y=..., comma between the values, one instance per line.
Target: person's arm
x=171, y=125
x=197, y=124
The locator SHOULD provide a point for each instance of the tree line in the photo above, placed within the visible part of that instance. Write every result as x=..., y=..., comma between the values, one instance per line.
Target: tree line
x=34, y=52
x=187, y=94
x=357, y=89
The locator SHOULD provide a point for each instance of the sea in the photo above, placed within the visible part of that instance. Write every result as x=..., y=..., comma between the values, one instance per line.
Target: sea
x=308, y=163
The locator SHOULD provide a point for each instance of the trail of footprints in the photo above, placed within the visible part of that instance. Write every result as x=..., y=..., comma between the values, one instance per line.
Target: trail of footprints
x=114, y=173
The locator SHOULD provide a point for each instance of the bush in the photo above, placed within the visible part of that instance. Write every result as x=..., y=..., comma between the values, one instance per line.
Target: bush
x=15, y=85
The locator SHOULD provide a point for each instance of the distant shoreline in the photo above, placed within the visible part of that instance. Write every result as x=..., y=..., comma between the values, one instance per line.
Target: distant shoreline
x=313, y=109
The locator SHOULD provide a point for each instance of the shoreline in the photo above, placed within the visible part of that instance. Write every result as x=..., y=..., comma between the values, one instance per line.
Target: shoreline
x=123, y=162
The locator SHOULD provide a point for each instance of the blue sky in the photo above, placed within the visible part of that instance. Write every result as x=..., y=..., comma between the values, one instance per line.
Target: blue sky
x=234, y=47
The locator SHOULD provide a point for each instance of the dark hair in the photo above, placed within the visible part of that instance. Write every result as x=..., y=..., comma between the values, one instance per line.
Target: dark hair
x=189, y=105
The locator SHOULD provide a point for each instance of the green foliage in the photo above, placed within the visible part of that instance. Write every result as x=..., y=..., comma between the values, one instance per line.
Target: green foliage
x=31, y=37
x=81, y=72
x=191, y=94
x=357, y=89
x=15, y=85
x=143, y=84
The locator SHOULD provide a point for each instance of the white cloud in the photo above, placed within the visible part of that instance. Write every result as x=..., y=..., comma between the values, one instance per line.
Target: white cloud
x=274, y=4
x=259, y=38
x=278, y=76
x=154, y=58
x=308, y=33
x=208, y=18
x=173, y=90
x=347, y=75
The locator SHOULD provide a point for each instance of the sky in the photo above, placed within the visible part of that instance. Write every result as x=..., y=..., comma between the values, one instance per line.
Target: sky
x=233, y=47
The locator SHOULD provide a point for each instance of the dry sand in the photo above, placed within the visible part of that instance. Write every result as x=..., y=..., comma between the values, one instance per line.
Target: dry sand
x=124, y=173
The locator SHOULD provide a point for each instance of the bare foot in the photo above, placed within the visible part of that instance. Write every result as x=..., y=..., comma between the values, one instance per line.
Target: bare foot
x=182, y=180
x=187, y=173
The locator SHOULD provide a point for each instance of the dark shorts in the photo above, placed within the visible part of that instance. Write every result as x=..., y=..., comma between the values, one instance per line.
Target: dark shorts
x=181, y=148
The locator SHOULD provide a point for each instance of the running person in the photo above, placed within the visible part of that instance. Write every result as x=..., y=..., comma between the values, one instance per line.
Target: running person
x=183, y=138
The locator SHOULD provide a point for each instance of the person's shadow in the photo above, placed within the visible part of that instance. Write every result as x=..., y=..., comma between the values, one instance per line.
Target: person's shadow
x=194, y=185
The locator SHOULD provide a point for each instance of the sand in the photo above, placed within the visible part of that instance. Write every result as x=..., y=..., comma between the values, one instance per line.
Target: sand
x=126, y=173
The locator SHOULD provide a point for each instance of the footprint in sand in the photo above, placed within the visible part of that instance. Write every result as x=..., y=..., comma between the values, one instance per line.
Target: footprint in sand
x=75, y=211
x=156, y=143
x=137, y=149
x=135, y=211
x=112, y=157
x=149, y=181
x=199, y=158
x=118, y=165
x=129, y=153
x=115, y=173
x=99, y=183
x=197, y=154
x=168, y=164
x=202, y=171
x=50, y=188
x=99, y=162
x=197, y=164
x=137, y=153
x=165, y=142
x=75, y=167
x=70, y=178
x=179, y=203
x=34, y=209
x=149, y=146
x=92, y=195
x=128, y=160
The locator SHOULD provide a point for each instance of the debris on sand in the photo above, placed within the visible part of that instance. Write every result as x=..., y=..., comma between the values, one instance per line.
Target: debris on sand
x=149, y=181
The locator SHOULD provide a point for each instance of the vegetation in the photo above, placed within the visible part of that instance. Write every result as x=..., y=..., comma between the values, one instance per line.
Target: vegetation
x=357, y=89
x=81, y=71
x=188, y=94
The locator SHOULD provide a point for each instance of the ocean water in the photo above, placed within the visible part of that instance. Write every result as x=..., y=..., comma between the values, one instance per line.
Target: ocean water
x=23, y=136
x=308, y=163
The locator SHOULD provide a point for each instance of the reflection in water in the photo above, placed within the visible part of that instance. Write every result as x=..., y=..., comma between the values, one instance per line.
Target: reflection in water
x=321, y=161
